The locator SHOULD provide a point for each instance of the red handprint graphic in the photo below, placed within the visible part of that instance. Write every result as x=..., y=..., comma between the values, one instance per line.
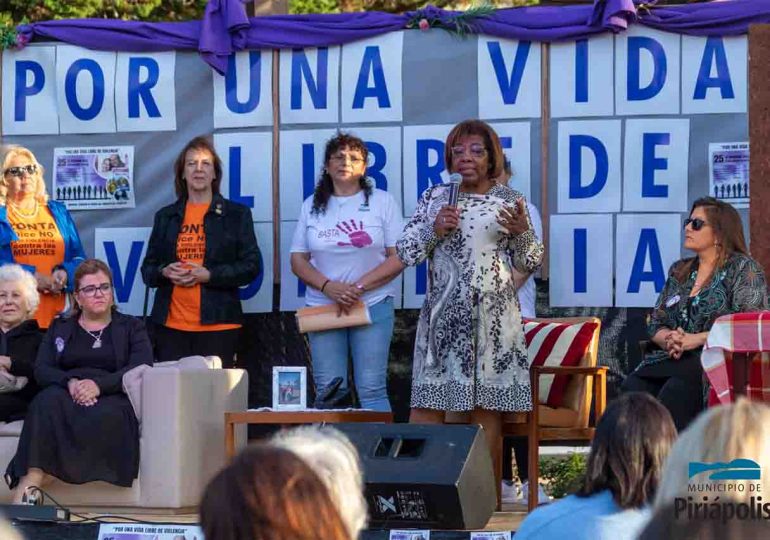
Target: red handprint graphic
x=358, y=236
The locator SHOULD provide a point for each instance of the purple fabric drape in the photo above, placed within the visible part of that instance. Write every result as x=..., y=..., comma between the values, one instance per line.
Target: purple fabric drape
x=226, y=29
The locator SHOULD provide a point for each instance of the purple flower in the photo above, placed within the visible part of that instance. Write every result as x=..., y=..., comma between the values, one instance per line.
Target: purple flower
x=21, y=41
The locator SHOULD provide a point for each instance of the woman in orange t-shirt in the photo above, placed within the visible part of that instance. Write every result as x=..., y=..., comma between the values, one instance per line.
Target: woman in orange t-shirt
x=202, y=248
x=37, y=233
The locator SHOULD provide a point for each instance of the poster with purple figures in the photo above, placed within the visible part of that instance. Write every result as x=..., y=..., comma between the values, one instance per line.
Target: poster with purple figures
x=95, y=178
x=729, y=173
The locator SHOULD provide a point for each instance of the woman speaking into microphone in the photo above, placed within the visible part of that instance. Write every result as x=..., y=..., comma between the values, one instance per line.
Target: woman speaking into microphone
x=470, y=353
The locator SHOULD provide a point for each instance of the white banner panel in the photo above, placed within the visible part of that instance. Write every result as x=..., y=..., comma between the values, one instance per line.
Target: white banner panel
x=310, y=85
x=371, y=69
x=257, y=297
x=247, y=163
x=646, y=246
x=423, y=161
x=579, y=74
x=580, y=257
x=85, y=90
x=515, y=138
x=302, y=158
x=123, y=249
x=589, y=173
x=656, y=159
x=243, y=97
x=145, y=91
x=646, y=72
x=29, y=91
x=714, y=74
x=508, y=78
x=384, y=166
x=292, y=289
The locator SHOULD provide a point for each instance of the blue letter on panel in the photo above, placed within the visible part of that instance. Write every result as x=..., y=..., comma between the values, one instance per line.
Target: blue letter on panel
x=22, y=91
x=580, y=241
x=142, y=89
x=235, y=179
x=576, y=189
x=371, y=63
x=123, y=283
x=635, y=45
x=300, y=69
x=421, y=278
x=308, y=170
x=650, y=164
x=509, y=85
x=231, y=84
x=714, y=52
x=581, y=71
x=70, y=88
x=427, y=172
x=648, y=242
x=378, y=159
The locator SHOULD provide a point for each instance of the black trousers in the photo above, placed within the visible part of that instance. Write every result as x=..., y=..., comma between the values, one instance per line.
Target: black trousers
x=171, y=344
x=517, y=445
x=678, y=385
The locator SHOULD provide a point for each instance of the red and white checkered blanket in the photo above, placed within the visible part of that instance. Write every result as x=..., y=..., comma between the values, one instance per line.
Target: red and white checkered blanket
x=738, y=333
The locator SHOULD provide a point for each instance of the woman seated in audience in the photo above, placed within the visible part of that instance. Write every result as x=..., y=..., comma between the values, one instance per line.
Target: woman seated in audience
x=36, y=232
x=19, y=341
x=334, y=458
x=719, y=280
x=720, y=435
x=81, y=426
x=269, y=493
x=623, y=472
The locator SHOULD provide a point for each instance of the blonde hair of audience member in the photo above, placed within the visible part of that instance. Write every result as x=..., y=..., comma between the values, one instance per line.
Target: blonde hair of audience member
x=8, y=532
x=14, y=273
x=721, y=434
x=335, y=460
x=10, y=152
x=269, y=493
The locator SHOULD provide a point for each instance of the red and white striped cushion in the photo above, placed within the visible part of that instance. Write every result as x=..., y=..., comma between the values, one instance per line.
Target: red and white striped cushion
x=556, y=344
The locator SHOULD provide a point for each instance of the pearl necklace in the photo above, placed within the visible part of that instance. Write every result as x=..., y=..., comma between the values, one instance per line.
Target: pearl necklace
x=18, y=211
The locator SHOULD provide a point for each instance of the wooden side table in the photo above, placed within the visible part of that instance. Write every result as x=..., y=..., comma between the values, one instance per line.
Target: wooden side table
x=320, y=416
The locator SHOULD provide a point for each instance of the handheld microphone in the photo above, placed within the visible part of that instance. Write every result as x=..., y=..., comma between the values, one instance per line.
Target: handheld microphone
x=454, y=188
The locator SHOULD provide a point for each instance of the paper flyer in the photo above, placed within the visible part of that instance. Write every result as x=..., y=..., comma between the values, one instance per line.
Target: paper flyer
x=94, y=178
x=729, y=173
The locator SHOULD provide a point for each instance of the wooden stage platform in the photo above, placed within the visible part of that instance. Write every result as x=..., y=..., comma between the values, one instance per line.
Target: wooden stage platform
x=508, y=520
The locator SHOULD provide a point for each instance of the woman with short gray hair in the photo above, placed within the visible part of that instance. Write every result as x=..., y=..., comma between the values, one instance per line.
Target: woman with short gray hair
x=20, y=338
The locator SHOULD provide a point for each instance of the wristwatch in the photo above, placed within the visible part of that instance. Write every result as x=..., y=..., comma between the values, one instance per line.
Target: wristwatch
x=360, y=287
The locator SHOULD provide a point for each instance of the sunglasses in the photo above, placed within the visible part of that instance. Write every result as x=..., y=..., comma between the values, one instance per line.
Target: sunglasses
x=697, y=223
x=31, y=170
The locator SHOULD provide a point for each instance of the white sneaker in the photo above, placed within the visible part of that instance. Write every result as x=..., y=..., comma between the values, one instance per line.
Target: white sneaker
x=542, y=496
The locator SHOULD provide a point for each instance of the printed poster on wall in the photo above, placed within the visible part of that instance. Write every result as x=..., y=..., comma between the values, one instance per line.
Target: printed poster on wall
x=94, y=178
x=149, y=531
x=729, y=173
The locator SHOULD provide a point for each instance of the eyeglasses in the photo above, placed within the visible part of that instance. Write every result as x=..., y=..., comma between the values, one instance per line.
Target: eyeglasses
x=342, y=158
x=697, y=223
x=90, y=290
x=31, y=170
x=475, y=150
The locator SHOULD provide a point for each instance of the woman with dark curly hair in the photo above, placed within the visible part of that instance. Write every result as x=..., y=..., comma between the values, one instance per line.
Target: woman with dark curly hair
x=346, y=231
x=719, y=280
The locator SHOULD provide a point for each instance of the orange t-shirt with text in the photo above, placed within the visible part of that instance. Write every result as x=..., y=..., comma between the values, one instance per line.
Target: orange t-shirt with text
x=40, y=245
x=185, y=310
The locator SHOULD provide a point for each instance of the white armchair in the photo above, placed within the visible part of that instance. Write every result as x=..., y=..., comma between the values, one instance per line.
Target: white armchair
x=181, y=445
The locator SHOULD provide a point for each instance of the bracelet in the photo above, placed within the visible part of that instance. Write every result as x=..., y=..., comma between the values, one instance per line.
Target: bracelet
x=324, y=285
x=360, y=287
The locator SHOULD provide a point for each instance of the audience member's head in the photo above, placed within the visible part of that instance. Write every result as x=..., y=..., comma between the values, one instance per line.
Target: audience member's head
x=673, y=524
x=269, y=493
x=719, y=435
x=335, y=460
x=633, y=438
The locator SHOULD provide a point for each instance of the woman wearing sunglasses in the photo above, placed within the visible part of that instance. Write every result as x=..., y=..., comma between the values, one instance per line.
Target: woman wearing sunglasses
x=720, y=279
x=37, y=233
x=81, y=426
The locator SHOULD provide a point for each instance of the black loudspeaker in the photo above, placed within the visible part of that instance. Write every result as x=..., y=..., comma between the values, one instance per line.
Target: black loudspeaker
x=425, y=476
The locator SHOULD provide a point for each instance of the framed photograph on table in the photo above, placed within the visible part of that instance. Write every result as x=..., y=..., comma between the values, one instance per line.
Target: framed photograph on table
x=289, y=388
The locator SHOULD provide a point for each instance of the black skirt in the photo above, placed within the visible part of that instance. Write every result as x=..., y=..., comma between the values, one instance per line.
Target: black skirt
x=78, y=444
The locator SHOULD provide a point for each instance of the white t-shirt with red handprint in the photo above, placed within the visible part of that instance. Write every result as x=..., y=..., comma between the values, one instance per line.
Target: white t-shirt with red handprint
x=349, y=240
